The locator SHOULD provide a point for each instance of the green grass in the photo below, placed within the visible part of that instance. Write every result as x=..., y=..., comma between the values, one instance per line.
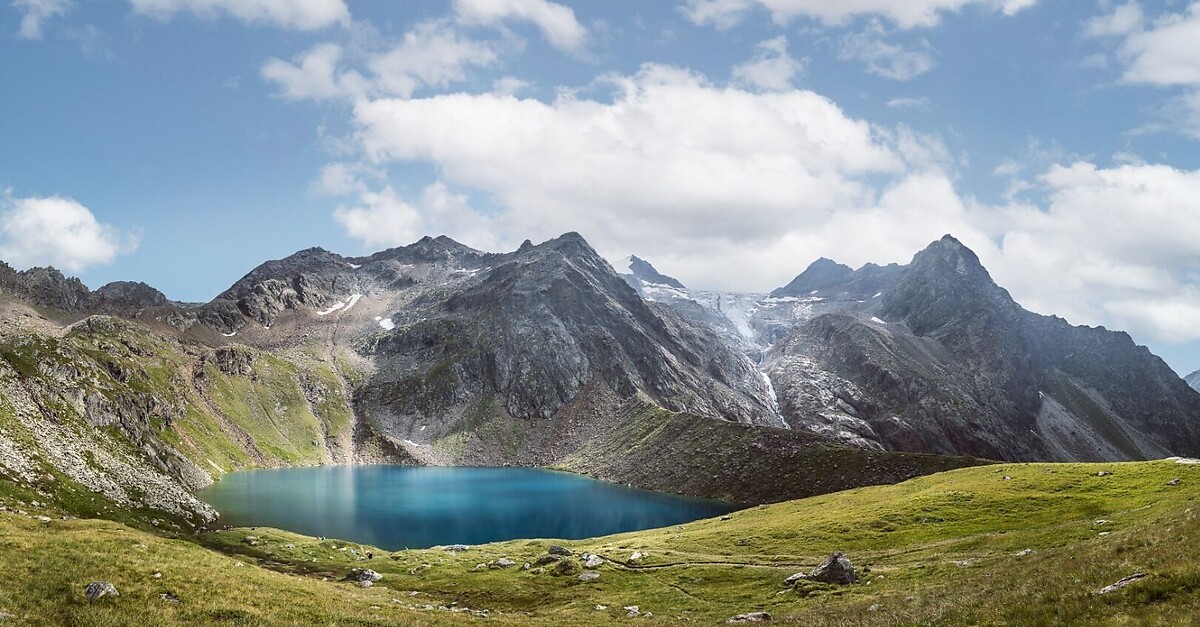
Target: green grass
x=938, y=550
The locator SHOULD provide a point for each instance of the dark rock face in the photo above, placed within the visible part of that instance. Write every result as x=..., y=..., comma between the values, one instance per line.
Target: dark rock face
x=125, y=296
x=534, y=327
x=951, y=364
x=45, y=287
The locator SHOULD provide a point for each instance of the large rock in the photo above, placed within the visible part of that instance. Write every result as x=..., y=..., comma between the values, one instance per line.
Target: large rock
x=359, y=575
x=836, y=569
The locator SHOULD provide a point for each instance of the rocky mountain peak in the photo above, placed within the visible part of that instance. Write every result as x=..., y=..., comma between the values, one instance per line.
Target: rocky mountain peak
x=644, y=271
x=944, y=282
x=128, y=296
x=820, y=274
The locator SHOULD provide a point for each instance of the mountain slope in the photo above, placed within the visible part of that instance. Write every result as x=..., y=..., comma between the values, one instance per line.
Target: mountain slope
x=1194, y=380
x=947, y=362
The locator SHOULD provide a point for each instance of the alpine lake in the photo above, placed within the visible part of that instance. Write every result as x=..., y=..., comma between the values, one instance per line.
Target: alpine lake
x=397, y=507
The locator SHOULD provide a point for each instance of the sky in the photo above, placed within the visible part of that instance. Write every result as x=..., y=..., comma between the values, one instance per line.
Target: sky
x=729, y=142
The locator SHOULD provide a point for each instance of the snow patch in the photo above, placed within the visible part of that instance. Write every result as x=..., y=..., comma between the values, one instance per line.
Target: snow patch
x=229, y=334
x=353, y=301
x=877, y=295
x=877, y=320
x=353, y=266
x=813, y=292
x=336, y=306
x=387, y=324
x=1184, y=460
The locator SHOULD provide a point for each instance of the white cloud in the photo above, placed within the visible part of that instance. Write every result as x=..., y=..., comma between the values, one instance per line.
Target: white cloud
x=772, y=68
x=57, y=231
x=891, y=61
x=1112, y=246
x=313, y=74
x=432, y=54
x=670, y=153
x=287, y=14
x=910, y=103
x=35, y=13
x=1162, y=53
x=1165, y=55
x=384, y=219
x=510, y=85
x=1124, y=19
x=557, y=22
x=906, y=14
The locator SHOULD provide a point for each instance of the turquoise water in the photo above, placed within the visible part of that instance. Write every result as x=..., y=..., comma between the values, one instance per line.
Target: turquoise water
x=395, y=507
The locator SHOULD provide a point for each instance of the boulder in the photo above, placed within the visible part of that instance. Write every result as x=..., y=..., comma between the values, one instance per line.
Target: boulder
x=593, y=561
x=99, y=589
x=559, y=550
x=503, y=562
x=589, y=576
x=836, y=569
x=751, y=617
x=359, y=575
x=565, y=567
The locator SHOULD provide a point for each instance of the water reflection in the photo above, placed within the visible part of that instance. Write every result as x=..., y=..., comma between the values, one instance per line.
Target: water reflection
x=394, y=507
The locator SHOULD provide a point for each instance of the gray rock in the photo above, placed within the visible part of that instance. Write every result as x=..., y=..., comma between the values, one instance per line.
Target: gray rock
x=547, y=559
x=795, y=579
x=1120, y=584
x=169, y=598
x=593, y=561
x=559, y=550
x=503, y=562
x=751, y=617
x=632, y=611
x=99, y=589
x=456, y=548
x=836, y=569
x=1174, y=482
x=589, y=576
x=363, y=574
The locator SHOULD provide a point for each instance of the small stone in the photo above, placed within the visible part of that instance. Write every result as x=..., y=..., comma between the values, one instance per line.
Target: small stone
x=1025, y=552
x=1103, y=521
x=728, y=517
x=1102, y=474
x=589, y=576
x=456, y=548
x=559, y=550
x=503, y=562
x=479, y=567
x=156, y=576
x=169, y=598
x=1174, y=482
x=794, y=579
x=633, y=611
x=1120, y=584
x=1006, y=478
x=875, y=607
x=525, y=566
x=99, y=589
x=751, y=617
x=601, y=608
x=44, y=519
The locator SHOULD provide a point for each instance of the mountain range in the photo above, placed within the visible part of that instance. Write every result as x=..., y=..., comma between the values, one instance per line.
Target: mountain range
x=437, y=353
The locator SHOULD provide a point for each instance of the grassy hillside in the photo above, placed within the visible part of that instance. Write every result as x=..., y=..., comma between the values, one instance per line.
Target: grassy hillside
x=1018, y=544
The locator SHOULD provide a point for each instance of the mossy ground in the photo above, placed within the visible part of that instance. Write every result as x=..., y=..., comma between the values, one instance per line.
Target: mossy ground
x=940, y=550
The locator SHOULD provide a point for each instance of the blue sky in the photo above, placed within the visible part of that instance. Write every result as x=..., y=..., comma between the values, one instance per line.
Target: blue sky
x=731, y=142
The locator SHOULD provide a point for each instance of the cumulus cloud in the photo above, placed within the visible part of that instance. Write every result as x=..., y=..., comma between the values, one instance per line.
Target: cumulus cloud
x=431, y=54
x=57, y=231
x=907, y=14
x=288, y=14
x=670, y=153
x=1161, y=53
x=556, y=21
x=772, y=68
x=382, y=219
x=35, y=13
x=888, y=60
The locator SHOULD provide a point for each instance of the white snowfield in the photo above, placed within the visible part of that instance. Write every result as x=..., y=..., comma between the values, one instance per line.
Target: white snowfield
x=353, y=266
x=877, y=320
x=343, y=306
